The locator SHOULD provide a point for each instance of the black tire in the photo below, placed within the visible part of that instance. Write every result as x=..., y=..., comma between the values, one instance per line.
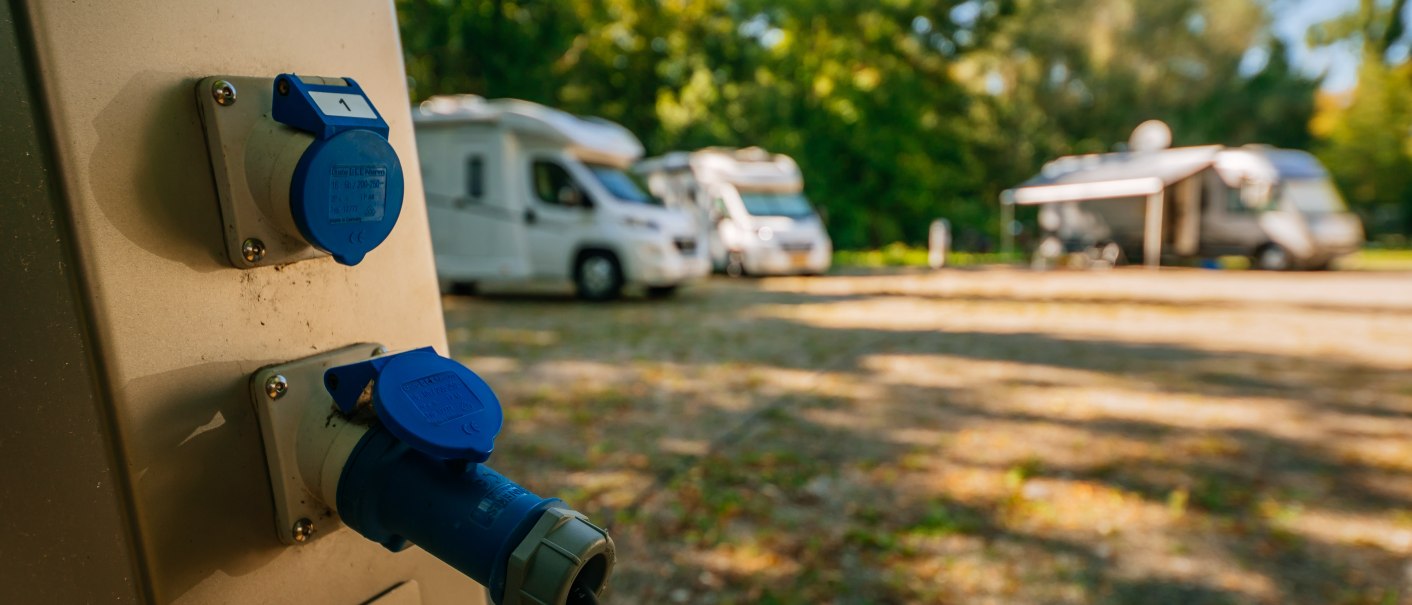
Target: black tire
x=598, y=276
x=735, y=265
x=660, y=292
x=1048, y=254
x=1272, y=257
x=464, y=288
x=1111, y=253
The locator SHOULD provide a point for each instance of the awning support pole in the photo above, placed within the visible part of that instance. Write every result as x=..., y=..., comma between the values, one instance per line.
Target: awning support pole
x=1007, y=220
x=1152, y=231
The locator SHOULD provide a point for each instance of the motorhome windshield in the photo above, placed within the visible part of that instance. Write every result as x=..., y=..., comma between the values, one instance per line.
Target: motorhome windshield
x=1314, y=196
x=763, y=203
x=622, y=185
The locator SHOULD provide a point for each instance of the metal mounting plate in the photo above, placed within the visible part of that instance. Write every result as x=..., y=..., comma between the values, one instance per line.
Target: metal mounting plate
x=228, y=130
x=304, y=400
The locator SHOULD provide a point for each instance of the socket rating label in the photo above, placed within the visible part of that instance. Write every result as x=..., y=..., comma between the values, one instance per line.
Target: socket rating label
x=442, y=398
x=357, y=193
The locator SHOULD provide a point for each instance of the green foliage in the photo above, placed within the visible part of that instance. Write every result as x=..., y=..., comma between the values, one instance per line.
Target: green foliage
x=1364, y=140
x=1367, y=149
x=898, y=254
x=1373, y=259
x=898, y=112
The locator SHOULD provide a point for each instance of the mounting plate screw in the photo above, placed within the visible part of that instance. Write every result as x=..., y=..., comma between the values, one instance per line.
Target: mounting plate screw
x=253, y=250
x=303, y=530
x=276, y=386
x=224, y=92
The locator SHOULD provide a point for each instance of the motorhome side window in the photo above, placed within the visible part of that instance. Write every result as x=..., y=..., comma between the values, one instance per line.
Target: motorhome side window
x=554, y=185
x=475, y=176
x=1252, y=196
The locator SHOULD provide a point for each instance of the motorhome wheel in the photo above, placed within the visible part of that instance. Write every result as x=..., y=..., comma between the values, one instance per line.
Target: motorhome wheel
x=735, y=265
x=1047, y=254
x=1112, y=253
x=1272, y=257
x=598, y=276
x=464, y=288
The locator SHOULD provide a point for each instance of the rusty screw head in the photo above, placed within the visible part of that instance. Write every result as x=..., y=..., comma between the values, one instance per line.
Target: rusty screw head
x=303, y=530
x=283, y=87
x=253, y=250
x=276, y=386
x=224, y=92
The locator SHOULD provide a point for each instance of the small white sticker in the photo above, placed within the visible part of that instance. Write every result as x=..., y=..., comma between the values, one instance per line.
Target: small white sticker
x=339, y=105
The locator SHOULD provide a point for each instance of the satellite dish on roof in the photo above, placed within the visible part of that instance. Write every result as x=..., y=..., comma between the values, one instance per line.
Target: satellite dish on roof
x=1152, y=135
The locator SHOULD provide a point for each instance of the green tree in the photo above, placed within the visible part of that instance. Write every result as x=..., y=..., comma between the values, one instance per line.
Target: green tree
x=898, y=111
x=1077, y=75
x=1365, y=142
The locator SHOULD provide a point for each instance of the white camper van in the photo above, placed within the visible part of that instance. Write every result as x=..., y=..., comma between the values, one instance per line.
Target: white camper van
x=754, y=215
x=522, y=193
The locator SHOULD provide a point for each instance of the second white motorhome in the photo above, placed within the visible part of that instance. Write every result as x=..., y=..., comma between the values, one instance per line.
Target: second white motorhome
x=519, y=192
x=752, y=208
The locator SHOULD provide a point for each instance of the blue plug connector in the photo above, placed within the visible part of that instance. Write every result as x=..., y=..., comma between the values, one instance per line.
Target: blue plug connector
x=416, y=477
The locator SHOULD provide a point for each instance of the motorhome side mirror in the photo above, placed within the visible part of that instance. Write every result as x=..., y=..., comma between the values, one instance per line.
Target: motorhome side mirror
x=718, y=210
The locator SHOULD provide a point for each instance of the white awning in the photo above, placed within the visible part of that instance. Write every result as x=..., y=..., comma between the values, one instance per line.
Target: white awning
x=1046, y=194
x=1111, y=175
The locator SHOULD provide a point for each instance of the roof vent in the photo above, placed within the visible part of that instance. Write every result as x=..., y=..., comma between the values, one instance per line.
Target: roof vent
x=1152, y=135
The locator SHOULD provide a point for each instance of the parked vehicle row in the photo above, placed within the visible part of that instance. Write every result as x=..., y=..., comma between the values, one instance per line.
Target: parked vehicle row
x=520, y=193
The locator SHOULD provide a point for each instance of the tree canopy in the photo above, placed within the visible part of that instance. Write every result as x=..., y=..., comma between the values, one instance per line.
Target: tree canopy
x=1364, y=136
x=898, y=111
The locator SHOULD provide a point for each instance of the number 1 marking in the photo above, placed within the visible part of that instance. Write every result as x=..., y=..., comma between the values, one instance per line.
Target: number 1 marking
x=345, y=105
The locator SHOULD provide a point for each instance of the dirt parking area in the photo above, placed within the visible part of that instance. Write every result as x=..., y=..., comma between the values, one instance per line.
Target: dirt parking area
x=989, y=436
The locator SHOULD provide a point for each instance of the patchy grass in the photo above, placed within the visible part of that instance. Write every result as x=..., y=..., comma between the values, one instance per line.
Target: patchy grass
x=902, y=255
x=899, y=255
x=1379, y=259
x=973, y=436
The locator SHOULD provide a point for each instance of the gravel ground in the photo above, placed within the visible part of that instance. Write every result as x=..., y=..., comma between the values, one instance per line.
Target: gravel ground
x=989, y=436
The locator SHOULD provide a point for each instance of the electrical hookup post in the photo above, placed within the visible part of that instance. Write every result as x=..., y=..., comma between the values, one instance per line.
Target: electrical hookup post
x=240, y=327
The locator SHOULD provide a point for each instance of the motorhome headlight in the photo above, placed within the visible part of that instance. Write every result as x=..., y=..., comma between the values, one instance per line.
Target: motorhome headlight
x=765, y=234
x=641, y=223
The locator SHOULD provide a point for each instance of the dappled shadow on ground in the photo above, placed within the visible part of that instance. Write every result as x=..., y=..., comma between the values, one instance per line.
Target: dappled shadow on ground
x=747, y=446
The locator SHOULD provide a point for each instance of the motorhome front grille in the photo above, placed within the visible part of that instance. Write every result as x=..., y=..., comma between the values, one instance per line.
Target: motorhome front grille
x=687, y=245
x=796, y=246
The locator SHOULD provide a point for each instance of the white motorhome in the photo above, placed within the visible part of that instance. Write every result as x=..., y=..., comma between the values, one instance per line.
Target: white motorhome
x=521, y=193
x=751, y=203
x=1276, y=206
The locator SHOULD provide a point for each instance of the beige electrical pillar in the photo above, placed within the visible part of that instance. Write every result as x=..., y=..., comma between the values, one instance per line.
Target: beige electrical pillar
x=134, y=469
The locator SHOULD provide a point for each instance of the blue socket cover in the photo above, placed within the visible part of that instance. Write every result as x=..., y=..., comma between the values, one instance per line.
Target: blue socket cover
x=346, y=193
x=433, y=404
